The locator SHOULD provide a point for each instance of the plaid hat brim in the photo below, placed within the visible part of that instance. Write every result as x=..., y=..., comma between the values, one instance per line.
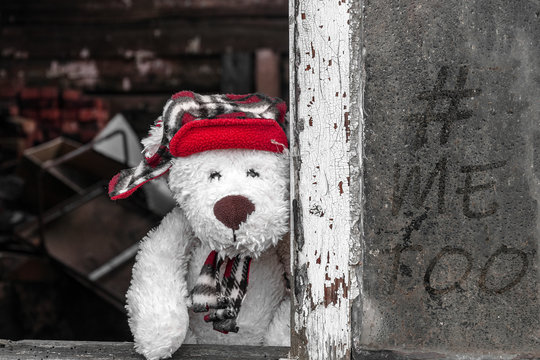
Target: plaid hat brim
x=193, y=123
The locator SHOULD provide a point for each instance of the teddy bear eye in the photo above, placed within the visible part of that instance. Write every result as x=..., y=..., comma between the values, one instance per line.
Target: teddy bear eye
x=252, y=173
x=215, y=175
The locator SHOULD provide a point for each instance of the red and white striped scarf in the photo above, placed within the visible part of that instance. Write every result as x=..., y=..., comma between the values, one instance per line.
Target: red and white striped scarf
x=221, y=293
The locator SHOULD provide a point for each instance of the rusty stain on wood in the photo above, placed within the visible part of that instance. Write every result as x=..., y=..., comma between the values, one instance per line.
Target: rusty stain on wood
x=334, y=291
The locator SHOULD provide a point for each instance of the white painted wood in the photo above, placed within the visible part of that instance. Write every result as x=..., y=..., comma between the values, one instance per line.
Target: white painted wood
x=320, y=100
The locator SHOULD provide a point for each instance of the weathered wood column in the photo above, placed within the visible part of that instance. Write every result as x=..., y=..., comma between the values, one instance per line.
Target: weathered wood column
x=325, y=113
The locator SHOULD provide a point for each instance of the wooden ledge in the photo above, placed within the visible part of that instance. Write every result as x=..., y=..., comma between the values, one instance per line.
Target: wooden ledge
x=73, y=350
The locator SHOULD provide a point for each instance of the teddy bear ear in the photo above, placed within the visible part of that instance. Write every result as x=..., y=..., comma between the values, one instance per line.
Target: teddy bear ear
x=152, y=142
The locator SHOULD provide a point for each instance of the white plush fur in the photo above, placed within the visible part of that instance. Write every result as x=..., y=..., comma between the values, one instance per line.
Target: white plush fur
x=196, y=193
x=152, y=142
x=171, y=256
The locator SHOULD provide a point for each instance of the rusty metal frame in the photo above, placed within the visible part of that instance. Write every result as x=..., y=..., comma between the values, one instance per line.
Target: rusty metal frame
x=69, y=156
x=41, y=251
x=92, y=192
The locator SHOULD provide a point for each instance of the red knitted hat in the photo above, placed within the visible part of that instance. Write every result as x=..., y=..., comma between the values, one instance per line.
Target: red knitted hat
x=194, y=123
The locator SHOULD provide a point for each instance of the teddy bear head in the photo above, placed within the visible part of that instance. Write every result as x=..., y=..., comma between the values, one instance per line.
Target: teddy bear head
x=235, y=200
x=227, y=163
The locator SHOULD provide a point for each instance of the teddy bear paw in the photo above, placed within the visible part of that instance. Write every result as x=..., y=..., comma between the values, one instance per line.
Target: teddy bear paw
x=162, y=339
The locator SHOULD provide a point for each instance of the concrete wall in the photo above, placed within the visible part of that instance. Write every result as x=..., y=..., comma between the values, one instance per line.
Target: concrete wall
x=452, y=177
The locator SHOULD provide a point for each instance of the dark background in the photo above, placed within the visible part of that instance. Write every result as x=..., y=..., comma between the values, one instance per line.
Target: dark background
x=66, y=68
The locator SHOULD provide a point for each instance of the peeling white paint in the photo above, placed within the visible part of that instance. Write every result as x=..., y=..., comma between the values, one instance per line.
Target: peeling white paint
x=84, y=72
x=14, y=53
x=126, y=84
x=144, y=60
x=320, y=72
x=194, y=45
x=85, y=53
x=205, y=69
x=354, y=288
x=147, y=63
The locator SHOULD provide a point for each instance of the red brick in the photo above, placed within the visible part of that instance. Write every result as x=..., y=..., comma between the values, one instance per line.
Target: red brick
x=13, y=110
x=101, y=115
x=98, y=103
x=70, y=128
x=50, y=114
x=49, y=92
x=86, y=102
x=8, y=92
x=29, y=93
x=48, y=103
x=29, y=113
x=87, y=135
x=71, y=95
x=86, y=115
x=69, y=114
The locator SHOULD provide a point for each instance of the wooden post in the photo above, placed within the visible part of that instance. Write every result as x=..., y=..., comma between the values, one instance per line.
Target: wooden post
x=325, y=118
x=267, y=76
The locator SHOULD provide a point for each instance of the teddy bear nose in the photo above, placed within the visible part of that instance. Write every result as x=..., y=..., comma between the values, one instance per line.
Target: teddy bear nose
x=233, y=210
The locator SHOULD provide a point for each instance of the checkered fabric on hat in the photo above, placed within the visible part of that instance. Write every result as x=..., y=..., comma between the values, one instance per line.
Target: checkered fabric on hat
x=194, y=123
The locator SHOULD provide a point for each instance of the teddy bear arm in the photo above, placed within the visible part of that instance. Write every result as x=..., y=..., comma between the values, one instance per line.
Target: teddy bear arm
x=158, y=296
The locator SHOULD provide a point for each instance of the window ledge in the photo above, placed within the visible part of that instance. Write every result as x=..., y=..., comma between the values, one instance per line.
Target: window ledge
x=73, y=350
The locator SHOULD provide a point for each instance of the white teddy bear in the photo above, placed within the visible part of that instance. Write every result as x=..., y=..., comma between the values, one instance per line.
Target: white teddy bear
x=222, y=249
